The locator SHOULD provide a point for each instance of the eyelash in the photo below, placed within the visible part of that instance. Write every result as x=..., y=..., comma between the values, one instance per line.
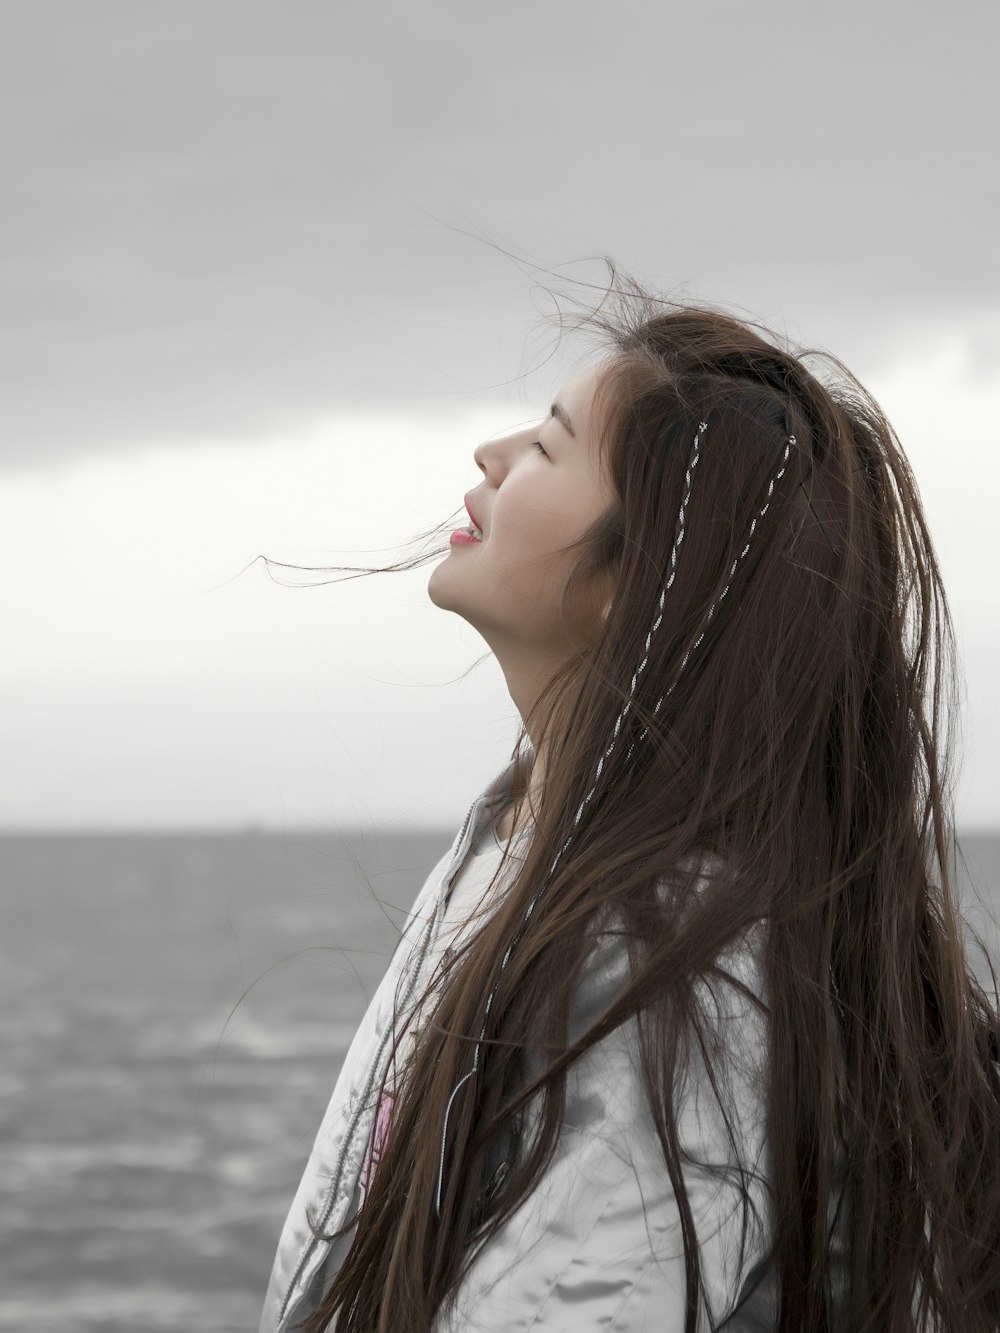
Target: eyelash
x=538, y=445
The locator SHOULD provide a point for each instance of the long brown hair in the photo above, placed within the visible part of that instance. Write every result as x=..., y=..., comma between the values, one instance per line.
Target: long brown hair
x=806, y=747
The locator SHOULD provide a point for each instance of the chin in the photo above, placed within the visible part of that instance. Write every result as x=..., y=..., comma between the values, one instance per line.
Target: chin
x=437, y=587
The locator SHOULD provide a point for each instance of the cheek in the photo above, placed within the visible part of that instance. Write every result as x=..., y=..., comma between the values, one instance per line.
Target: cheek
x=532, y=521
x=527, y=544
x=514, y=530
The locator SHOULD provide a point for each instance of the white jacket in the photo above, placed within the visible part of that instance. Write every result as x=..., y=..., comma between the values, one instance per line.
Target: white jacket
x=597, y=1245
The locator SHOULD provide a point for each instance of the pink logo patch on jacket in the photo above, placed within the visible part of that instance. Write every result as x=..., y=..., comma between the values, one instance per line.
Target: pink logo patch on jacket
x=377, y=1141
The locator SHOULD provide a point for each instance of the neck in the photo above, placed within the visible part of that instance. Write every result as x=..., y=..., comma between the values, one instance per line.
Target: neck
x=534, y=770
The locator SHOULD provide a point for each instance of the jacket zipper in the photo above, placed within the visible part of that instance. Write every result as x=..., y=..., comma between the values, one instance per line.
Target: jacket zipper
x=372, y=1075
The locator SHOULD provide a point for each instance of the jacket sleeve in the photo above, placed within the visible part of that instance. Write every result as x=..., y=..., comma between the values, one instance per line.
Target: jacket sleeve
x=598, y=1243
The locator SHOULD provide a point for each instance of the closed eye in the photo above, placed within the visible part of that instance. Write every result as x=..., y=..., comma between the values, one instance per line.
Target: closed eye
x=538, y=445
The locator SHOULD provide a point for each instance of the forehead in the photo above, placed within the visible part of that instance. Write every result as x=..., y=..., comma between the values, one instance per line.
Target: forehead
x=577, y=395
x=579, y=390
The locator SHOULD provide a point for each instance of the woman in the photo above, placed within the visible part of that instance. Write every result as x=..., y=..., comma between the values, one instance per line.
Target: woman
x=681, y=1032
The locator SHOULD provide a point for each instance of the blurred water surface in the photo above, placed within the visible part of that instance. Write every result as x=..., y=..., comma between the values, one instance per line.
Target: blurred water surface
x=174, y=1010
x=173, y=1014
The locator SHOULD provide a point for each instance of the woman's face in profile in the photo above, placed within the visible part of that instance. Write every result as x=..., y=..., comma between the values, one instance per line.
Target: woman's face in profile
x=542, y=488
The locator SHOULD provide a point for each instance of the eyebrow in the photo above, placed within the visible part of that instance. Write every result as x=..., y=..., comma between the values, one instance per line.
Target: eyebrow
x=562, y=416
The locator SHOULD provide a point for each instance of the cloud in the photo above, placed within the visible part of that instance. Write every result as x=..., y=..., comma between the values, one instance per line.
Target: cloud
x=177, y=689
x=217, y=224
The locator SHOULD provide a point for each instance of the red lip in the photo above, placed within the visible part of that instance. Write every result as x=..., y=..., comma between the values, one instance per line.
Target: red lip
x=472, y=515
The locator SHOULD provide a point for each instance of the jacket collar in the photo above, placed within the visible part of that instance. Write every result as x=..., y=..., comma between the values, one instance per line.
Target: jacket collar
x=501, y=789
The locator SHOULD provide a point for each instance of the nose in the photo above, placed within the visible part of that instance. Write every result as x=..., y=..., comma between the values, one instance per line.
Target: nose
x=494, y=455
x=484, y=453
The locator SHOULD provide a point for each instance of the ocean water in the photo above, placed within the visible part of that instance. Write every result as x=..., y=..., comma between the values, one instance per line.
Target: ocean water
x=174, y=1010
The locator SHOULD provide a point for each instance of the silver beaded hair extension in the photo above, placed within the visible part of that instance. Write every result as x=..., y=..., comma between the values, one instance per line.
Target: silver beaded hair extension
x=715, y=605
x=678, y=539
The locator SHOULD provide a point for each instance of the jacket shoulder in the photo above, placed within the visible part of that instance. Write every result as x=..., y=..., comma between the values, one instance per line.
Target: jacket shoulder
x=598, y=1242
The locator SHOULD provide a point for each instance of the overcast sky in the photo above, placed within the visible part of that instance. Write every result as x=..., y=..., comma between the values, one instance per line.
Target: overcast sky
x=252, y=301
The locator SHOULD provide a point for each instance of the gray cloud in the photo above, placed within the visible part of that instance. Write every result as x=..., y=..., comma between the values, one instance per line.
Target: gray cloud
x=218, y=218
